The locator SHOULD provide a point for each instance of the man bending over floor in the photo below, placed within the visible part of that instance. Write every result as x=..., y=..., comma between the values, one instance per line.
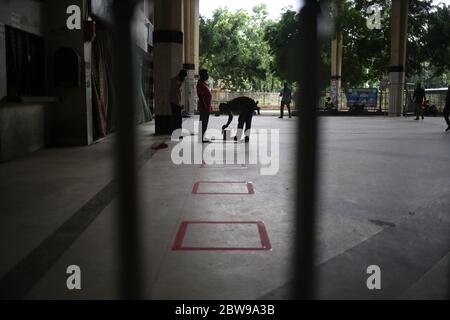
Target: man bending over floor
x=245, y=107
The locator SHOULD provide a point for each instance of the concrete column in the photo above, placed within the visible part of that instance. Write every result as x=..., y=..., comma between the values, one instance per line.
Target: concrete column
x=399, y=27
x=191, y=49
x=168, y=58
x=336, y=68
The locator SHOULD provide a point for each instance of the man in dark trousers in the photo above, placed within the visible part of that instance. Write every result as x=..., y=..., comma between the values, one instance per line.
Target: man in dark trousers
x=245, y=107
x=286, y=98
x=447, y=109
x=418, y=98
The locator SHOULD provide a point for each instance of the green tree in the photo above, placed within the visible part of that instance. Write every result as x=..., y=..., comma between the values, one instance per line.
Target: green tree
x=233, y=50
x=283, y=40
x=419, y=15
x=366, y=53
x=437, y=41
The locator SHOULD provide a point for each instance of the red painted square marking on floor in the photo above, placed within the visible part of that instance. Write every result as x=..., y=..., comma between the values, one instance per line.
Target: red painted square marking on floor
x=204, y=165
x=264, y=238
x=247, y=184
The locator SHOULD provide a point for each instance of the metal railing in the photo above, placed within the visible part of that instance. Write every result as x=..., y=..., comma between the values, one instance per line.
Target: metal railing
x=266, y=100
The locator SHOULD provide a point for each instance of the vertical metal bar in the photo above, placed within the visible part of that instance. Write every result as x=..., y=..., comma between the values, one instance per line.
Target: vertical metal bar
x=307, y=152
x=125, y=93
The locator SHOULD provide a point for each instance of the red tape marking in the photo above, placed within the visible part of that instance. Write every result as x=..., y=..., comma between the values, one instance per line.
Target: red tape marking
x=265, y=242
x=204, y=165
x=249, y=184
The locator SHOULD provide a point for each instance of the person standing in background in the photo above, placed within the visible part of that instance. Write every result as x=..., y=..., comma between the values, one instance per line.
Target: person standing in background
x=175, y=98
x=204, y=101
x=418, y=98
x=286, y=98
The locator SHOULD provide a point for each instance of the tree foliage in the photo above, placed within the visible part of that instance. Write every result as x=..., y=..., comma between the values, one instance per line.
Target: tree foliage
x=366, y=53
x=437, y=41
x=283, y=40
x=249, y=51
x=419, y=15
x=233, y=50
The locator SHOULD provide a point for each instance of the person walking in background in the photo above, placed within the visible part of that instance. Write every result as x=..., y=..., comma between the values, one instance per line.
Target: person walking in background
x=175, y=98
x=418, y=98
x=204, y=101
x=286, y=98
x=447, y=109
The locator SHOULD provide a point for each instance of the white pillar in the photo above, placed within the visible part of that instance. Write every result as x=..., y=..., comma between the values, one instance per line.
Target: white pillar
x=336, y=68
x=191, y=49
x=168, y=58
x=399, y=26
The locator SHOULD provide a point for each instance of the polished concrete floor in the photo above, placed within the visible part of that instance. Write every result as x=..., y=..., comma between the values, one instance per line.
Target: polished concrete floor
x=384, y=200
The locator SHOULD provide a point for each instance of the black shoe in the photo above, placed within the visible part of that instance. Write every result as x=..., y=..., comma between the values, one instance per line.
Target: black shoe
x=423, y=117
x=206, y=141
x=448, y=129
x=290, y=117
x=416, y=119
x=247, y=139
x=280, y=117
